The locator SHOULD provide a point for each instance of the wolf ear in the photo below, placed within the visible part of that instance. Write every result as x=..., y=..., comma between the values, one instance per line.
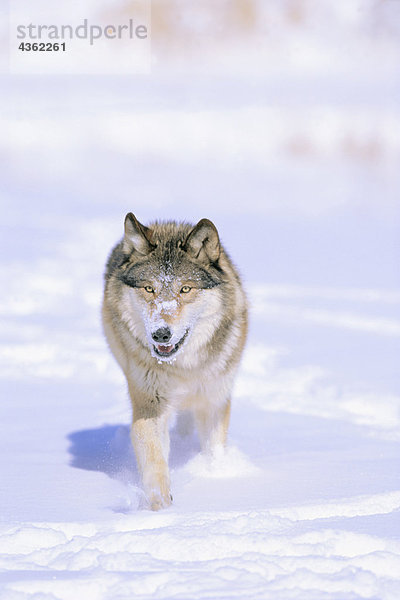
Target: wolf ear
x=136, y=236
x=203, y=242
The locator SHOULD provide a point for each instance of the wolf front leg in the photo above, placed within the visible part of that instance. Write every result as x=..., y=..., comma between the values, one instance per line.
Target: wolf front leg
x=212, y=425
x=150, y=440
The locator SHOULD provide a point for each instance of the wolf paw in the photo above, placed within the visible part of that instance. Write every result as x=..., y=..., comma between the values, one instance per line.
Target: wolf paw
x=158, y=500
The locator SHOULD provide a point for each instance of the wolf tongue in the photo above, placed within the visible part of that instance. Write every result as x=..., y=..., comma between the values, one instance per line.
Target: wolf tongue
x=164, y=349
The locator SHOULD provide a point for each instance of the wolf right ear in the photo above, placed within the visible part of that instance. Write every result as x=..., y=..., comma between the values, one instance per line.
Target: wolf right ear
x=203, y=242
x=136, y=236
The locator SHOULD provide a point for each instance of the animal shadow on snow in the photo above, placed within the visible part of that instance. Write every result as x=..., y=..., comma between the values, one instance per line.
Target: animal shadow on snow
x=108, y=449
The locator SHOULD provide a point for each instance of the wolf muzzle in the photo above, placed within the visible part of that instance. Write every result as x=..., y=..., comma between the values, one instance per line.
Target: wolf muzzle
x=162, y=336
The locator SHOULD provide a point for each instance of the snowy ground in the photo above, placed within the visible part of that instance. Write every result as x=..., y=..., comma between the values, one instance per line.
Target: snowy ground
x=304, y=505
x=300, y=175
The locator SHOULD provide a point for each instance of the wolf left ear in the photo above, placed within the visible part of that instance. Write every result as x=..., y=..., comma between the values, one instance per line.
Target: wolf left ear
x=136, y=236
x=203, y=242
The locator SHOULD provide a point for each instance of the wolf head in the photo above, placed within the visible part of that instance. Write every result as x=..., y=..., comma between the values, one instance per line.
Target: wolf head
x=173, y=273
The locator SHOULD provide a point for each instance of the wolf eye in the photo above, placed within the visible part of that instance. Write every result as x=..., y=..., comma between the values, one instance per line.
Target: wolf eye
x=185, y=289
x=149, y=289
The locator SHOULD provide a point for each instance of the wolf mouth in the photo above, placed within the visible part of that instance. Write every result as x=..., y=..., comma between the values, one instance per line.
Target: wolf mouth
x=165, y=351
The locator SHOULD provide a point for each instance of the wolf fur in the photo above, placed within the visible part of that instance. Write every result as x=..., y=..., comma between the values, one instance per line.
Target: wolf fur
x=175, y=318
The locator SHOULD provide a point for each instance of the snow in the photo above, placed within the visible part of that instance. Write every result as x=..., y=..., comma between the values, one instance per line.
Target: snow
x=296, y=162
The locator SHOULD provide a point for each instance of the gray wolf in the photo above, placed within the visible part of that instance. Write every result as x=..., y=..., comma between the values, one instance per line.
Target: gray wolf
x=175, y=318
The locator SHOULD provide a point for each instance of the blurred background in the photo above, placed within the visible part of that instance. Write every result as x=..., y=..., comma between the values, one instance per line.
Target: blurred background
x=277, y=119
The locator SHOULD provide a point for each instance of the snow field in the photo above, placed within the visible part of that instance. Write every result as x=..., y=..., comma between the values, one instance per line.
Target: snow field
x=304, y=504
x=291, y=146
x=254, y=554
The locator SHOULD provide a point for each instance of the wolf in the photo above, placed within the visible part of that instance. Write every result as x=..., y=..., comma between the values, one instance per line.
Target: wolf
x=175, y=317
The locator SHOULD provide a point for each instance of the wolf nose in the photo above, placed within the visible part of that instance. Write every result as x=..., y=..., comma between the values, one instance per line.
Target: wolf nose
x=162, y=335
